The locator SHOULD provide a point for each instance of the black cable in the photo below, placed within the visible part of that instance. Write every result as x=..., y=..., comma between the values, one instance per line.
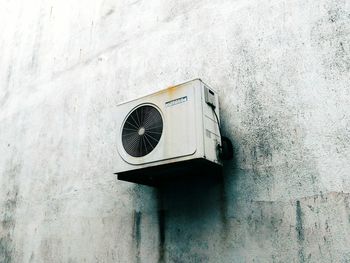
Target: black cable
x=217, y=119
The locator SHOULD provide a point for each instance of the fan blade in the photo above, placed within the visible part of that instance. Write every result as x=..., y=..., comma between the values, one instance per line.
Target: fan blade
x=149, y=143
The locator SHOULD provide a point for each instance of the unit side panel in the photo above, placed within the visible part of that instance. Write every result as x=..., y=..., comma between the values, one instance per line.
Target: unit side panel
x=211, y=129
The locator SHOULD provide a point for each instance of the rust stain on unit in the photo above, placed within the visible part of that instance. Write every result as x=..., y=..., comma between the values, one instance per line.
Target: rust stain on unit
x=171, y=89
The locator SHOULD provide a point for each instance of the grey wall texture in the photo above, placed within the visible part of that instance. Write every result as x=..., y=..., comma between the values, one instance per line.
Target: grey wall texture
x=282, y=70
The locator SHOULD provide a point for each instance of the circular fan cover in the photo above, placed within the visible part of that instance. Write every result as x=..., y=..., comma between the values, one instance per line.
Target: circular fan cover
x=142, y=131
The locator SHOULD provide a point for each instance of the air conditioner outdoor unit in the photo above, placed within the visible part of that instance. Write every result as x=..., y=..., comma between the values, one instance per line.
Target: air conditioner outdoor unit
x=170, y=134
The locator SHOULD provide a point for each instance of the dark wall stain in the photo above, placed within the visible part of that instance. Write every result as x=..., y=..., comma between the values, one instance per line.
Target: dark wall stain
x=161, y=226
x=184, y=206
x=300, y=232
x=8, y=220
x=5, y=249
x=7, y=86
x=37, y=41
x=223, y=209
x=137, y=233
x=109, y=12
x=266, y=136
x=271, y=128
x=8, y=211
x=32, y=257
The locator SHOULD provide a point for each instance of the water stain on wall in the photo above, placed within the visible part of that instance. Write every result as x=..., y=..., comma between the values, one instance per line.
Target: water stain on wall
x=137, y=234
x=191, y=207
x=161, y=226
x=271, y=141
x=6, y=95
x=8, y=212
x=108, y=13
x=223, y=205
x=300, y=231
x=6, y=249
x=37, y=41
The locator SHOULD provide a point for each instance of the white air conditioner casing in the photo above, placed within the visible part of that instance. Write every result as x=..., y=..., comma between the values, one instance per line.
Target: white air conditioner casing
x=186, y=143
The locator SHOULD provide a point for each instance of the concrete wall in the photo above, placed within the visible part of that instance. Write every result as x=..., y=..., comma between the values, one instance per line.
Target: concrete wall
x=282, y=70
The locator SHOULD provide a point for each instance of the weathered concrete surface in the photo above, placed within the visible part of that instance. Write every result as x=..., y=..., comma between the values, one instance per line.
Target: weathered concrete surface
x=282, y=69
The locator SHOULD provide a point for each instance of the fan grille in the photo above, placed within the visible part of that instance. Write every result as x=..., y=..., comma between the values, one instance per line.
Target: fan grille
x=142, y=131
